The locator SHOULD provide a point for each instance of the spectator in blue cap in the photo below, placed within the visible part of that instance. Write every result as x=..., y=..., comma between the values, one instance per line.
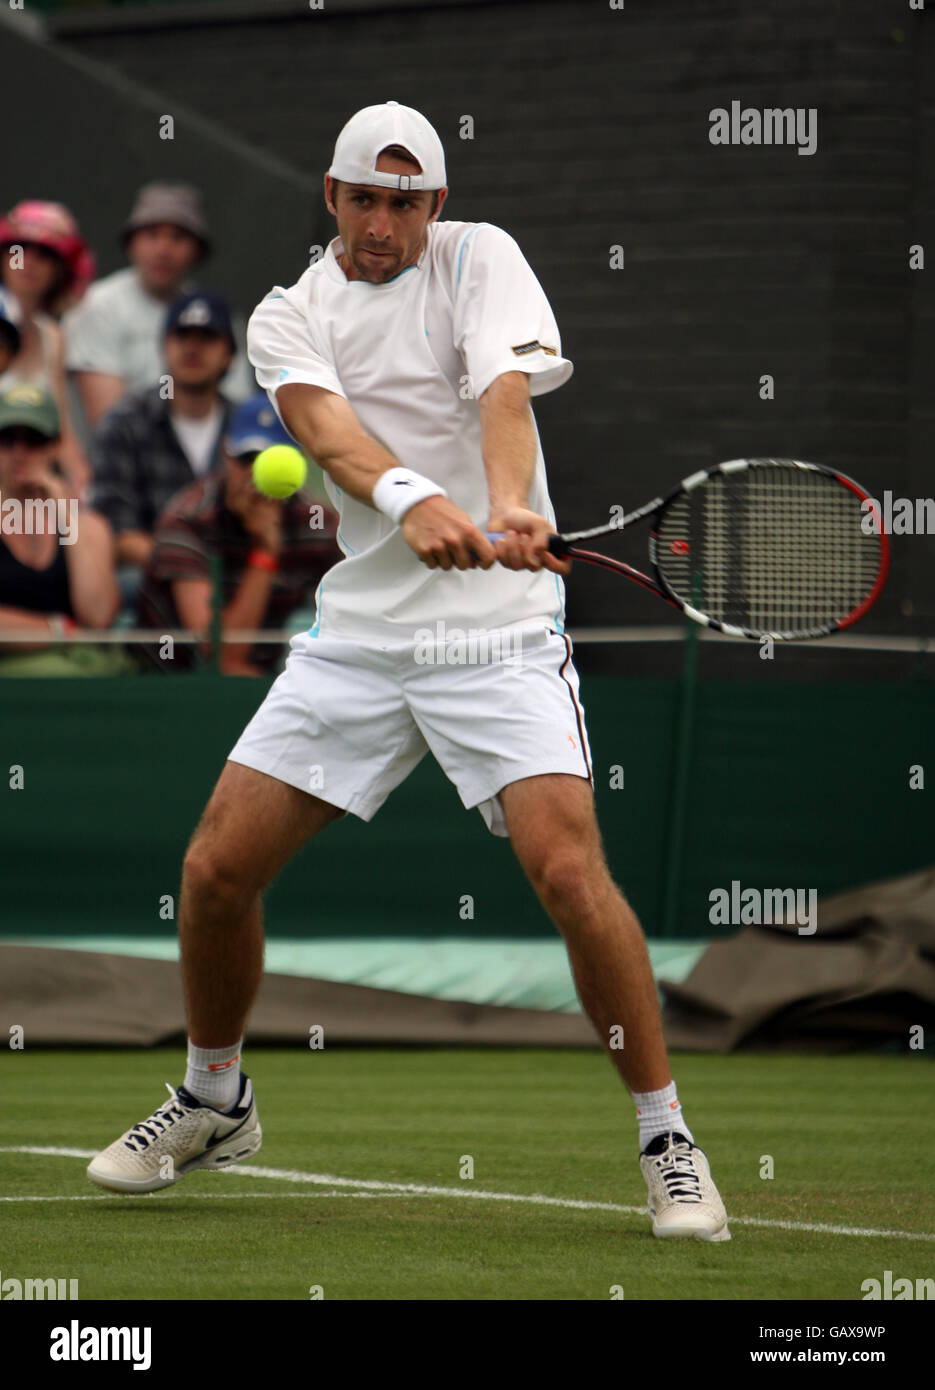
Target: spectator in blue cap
x=156, y=441
x=272, y=553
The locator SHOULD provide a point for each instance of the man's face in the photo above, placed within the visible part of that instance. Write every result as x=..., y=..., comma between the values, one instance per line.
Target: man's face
x=196, y=358
x=163, y=254
x=383, y=229
x=23, y=453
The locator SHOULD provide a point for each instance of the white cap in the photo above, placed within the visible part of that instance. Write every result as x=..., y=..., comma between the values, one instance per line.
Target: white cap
x=370, y=130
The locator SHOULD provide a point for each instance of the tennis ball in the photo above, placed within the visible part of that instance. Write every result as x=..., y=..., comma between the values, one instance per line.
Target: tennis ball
x=279, y=471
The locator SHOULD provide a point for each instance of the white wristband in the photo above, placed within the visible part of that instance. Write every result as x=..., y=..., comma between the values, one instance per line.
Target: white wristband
x=399, y=489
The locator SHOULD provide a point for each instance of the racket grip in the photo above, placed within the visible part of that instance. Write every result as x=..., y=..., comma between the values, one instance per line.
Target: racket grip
x=557, y=546
x=493, y=537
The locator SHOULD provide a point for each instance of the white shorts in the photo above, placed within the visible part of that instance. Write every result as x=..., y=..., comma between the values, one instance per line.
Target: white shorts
x=348, y=721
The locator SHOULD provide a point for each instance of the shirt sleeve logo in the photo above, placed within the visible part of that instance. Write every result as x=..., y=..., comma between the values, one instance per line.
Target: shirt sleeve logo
x=535, y=346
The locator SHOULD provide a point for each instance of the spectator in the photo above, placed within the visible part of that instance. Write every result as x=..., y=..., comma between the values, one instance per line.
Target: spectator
x=46, y=267
x=114, y=339
x=271, y=553
x=149, y=447
x=56, y=555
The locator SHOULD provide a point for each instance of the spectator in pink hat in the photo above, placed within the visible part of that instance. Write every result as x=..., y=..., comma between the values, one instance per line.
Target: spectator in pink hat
x=45, y=266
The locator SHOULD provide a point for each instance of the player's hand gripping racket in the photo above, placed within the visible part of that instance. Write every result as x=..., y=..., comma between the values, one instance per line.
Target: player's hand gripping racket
x=757, y=547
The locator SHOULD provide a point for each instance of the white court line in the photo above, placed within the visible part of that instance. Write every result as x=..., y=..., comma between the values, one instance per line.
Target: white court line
x=375, y=1187
x=45, y=1149
x=209, y=1196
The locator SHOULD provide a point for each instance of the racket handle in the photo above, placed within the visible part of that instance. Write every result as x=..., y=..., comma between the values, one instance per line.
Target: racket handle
x=557, y=546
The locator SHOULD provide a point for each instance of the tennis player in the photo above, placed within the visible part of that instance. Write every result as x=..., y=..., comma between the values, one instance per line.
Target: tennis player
x=403, y=361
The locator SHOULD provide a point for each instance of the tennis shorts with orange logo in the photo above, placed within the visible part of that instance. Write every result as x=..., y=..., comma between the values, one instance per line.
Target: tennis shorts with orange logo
x=348, y=721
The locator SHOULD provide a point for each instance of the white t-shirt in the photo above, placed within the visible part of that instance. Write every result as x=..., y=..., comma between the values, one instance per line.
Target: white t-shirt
x=412, y=357
x=198, y=438
x=118, y=329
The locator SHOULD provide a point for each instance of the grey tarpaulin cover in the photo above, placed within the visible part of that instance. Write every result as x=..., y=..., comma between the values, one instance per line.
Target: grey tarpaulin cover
x=865, y=977
x=91, y=998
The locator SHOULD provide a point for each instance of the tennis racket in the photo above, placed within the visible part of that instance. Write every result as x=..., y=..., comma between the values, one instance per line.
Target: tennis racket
x=757, y=548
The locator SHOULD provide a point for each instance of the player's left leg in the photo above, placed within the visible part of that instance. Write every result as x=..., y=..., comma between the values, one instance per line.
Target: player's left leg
x=554, y=832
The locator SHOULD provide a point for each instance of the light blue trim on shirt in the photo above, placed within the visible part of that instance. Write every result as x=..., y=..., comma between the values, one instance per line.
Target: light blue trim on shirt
x=319, y=593
x=341, y=540
x=398, y=276
x=464, y=240
x=313, y=630
x=559, y=624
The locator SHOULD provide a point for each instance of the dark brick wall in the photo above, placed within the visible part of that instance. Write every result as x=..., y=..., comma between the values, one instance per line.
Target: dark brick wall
x=591, y=129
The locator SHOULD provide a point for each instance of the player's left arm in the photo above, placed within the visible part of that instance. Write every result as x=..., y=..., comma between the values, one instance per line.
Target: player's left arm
x=508, y=443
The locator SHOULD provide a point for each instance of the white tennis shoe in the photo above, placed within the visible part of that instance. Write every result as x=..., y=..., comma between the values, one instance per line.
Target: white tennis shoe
x=180, y=1135
x=683, y=1200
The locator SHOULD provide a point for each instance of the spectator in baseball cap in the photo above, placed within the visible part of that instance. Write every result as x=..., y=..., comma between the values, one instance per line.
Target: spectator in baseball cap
x=254, y=426
x=56, y=558
x=201, y=309
x=149, y=447
x=45, y=266
x=114, y=339
x=272, y=553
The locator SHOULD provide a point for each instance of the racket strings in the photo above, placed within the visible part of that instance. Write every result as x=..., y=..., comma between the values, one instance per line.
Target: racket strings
x=773, y=549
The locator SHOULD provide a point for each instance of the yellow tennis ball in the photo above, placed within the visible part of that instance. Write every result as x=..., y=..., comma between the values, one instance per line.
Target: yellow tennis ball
x=279, y=471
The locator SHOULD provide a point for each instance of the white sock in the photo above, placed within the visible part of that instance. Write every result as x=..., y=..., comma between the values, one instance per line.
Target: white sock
x=659, y=1112
x=213, y=1074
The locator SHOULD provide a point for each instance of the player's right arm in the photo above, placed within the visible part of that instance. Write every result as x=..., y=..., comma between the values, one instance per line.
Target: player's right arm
x=441, y=534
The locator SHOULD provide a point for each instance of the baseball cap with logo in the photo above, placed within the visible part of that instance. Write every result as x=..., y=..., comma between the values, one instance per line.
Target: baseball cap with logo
x=371, y=130
x=254, y=426
x=30, y=405
x=200, y=309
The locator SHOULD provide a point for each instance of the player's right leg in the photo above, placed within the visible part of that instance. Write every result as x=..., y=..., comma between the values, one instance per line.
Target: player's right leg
x=334, y=721
x=251, y=827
